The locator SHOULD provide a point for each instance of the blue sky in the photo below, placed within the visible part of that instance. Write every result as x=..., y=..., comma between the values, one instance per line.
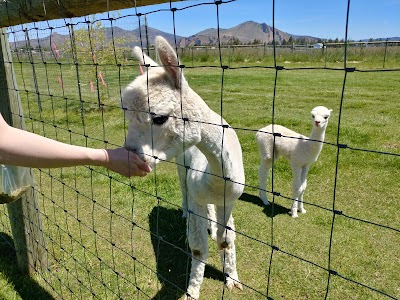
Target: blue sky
x=323, y=18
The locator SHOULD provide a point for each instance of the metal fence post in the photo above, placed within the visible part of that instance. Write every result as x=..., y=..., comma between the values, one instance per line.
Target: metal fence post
x=384, y=57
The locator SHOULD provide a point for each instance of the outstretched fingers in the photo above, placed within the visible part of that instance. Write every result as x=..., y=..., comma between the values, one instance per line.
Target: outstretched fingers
x=125, y=162
x=137, y=163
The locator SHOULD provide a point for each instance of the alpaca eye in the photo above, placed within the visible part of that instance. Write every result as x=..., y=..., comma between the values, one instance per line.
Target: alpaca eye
x=313, y=116
x=326, y=117
x=159, y=120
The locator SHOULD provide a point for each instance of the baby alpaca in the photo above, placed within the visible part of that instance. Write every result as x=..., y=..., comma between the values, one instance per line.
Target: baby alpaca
x=169, y=120
x=300, y=150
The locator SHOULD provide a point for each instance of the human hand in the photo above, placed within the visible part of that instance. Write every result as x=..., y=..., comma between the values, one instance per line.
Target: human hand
x=125, y=162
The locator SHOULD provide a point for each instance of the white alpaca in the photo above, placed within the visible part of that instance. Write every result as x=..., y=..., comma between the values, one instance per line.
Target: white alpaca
x=168, y=119
x=300, y=150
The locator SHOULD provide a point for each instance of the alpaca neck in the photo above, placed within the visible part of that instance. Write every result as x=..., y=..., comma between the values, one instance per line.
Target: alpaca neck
x=317, y=134
x=217, y=156
x=220, y=146
x=222, y=159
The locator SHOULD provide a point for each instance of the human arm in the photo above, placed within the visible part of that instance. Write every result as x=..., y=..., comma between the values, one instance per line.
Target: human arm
x=23, y=148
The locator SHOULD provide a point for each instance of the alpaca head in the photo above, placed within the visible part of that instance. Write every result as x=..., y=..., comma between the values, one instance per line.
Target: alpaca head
x=320, y=116
x=160, y=105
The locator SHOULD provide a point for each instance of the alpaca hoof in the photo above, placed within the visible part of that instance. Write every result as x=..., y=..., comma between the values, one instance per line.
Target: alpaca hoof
x=294, y=214
x=264, y=199
x=234, y=284
x=303, y=211
x=239, y=286
x=189, y=296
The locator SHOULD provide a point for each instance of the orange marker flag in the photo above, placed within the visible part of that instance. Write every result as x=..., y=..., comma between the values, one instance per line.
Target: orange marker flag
x=61, y=82
x=102, y=79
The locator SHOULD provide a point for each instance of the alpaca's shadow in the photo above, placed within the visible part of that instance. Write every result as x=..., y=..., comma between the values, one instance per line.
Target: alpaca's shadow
x=168, y=237
x=23, y=285
x=270, y=210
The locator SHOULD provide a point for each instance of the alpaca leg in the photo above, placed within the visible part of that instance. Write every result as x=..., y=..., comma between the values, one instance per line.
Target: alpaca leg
x=184, y=206
x=197, y=238
x=182, y=173
x=263, y=171
x=296, y=190
x=212, y=221
x=300, y=201
x=303, y=186
x=226, y=243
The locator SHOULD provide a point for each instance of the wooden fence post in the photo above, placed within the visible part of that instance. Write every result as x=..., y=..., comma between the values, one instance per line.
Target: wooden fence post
x=24, y=213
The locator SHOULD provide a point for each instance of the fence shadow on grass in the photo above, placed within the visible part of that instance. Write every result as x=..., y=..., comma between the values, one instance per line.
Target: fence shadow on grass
x=270, y=210
x=26, y=287
x=173, y=262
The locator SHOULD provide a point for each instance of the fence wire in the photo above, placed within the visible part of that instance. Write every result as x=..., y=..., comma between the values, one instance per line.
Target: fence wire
x=108, y=237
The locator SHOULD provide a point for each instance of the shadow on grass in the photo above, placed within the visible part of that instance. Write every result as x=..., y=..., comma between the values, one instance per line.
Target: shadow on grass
x=26, y=287
x=170, y=248
x=270, y=210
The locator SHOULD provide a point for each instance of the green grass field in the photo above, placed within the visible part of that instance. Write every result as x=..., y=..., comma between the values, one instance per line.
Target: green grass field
x=101, y=233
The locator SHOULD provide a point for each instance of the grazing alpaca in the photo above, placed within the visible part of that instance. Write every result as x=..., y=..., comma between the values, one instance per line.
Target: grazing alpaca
x=300, y=150
x=168, y=119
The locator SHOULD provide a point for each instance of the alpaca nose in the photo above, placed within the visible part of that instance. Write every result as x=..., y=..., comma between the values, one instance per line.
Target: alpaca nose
x=317, y=122
x=135, y=150
x=130, y=148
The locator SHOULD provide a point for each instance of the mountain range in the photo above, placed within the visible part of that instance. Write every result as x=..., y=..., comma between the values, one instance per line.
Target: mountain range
x=244, y=33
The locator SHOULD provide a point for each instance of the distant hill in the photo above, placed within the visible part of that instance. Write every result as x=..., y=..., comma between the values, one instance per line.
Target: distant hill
x=122, y=37
x=245, y=33
x=395, y=38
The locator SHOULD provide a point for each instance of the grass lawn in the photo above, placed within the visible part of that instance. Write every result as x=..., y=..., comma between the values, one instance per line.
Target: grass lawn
x=112, y=238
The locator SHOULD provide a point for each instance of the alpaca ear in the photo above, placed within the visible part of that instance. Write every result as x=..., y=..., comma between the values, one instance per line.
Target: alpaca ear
x=169, y=61
x=143, y=58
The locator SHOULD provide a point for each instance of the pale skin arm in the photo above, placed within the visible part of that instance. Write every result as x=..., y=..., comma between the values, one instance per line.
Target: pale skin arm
x=23, y=148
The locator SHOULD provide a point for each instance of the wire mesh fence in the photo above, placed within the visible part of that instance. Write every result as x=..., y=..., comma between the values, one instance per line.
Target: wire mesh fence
x=108, y=237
